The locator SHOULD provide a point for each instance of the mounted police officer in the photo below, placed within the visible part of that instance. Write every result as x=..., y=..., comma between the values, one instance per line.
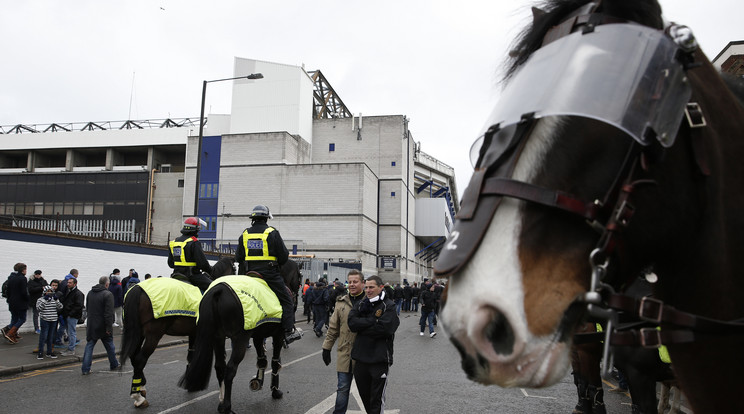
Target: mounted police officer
x=186, y=257
x=261, y=249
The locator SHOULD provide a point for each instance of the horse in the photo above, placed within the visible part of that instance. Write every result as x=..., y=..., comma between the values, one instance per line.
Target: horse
x=615, y=146
x=142, y=332
x=217, y=321
x=290, y=272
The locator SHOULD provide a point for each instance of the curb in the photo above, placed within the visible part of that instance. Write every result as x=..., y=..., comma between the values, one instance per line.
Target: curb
x=66, y=360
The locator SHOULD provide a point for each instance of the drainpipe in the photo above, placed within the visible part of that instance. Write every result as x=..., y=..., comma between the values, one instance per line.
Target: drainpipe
x=148, y=224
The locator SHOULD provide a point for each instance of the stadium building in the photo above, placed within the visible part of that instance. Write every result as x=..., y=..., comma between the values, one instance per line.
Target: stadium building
x=345, y=191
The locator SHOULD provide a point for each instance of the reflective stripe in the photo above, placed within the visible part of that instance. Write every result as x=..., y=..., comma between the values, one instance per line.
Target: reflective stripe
x=177, y=249
x=257, y=245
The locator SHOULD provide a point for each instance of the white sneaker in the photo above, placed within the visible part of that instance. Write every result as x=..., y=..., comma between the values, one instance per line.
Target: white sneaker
x=116, y=325
x=421, y=334
x=433, y=334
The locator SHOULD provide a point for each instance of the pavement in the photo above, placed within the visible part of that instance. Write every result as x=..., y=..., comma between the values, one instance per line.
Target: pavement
x=19, y=358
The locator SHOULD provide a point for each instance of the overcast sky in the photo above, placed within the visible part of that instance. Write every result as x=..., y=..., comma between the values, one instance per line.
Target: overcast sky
x=437, y=62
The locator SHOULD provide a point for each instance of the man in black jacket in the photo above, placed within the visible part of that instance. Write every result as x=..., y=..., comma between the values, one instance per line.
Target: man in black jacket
x=72, y=310
x=375, y=321
x=100, y=306
x=36, y=286
x=17, y=302
x=261, y=249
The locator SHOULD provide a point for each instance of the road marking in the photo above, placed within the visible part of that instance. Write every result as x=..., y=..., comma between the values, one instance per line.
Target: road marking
x=209, y=394
x=536, y=396
x=171, y=362
x=330, y=403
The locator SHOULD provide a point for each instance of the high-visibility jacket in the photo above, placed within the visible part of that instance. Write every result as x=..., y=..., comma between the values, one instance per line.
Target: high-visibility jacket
x=178, y=250
x=256, y=246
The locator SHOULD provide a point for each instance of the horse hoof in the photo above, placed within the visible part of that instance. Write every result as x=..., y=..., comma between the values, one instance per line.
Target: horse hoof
x=276, y=394
x=221, y=408
x=255, y=384
x=143, y=404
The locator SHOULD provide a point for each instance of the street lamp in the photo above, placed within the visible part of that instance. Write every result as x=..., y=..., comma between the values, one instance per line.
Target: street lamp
x=201, y=132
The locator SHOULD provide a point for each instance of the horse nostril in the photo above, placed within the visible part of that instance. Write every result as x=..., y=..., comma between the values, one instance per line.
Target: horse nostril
x=499, y=333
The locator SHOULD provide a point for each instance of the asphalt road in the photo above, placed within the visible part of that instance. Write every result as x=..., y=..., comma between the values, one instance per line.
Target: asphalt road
x=426, y=378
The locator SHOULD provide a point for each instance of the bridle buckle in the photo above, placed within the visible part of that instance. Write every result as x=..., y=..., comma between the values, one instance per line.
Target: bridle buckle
x=650, y=338
x=650, y=309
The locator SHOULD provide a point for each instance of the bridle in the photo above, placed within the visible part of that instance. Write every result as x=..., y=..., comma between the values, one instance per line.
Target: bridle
x=610, y=216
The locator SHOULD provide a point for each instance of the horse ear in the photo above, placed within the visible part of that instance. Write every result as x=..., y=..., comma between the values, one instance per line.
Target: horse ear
x=537, y=15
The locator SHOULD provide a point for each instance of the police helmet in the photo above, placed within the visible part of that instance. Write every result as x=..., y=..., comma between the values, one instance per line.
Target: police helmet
x=261, y=211
x=193, y=224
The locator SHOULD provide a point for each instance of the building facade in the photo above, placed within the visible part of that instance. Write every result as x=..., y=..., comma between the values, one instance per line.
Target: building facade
x=345, y=191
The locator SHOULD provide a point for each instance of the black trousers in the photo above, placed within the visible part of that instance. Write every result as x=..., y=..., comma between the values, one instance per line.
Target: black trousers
x=371, y=380
x=276, y=283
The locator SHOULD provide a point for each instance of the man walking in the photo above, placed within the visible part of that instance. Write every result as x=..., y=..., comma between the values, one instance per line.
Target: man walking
x=17, y=302
x=100, y=305
x=72, y=311
x=261, y=249
x=375, y=321
x=338, y=329
x=428, y=305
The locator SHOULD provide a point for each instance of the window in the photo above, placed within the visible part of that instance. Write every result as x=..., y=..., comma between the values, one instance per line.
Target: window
x=180, y=183
x=392, y=194
x=392, y=164
x=331, y=147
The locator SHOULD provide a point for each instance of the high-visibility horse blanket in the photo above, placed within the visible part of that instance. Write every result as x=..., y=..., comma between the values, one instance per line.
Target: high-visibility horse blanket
x=260, y=304
x=171, y=297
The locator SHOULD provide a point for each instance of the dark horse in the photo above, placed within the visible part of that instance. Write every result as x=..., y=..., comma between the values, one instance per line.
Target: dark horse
x=616, y=146
x=142, y=331
x=221, y=317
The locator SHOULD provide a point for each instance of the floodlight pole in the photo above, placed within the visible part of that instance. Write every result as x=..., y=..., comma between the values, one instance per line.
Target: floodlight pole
x=201, y=133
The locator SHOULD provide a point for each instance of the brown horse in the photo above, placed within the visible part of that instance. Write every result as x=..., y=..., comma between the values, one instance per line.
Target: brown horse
x=618, y=137
x=142, y=332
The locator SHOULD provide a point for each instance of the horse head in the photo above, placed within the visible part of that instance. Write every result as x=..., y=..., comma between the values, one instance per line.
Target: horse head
x=586, y=152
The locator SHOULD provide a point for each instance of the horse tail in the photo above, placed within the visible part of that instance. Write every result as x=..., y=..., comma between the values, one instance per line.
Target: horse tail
x=131, y=338
x=197, y=375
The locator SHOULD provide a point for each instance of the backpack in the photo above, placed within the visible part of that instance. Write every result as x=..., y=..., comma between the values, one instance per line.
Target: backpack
x=5, y=289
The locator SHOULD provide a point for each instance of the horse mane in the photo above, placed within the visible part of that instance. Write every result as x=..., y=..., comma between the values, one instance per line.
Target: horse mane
x=550, y=13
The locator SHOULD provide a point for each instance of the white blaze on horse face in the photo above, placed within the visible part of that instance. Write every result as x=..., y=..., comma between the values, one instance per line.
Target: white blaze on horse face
x=492, y=282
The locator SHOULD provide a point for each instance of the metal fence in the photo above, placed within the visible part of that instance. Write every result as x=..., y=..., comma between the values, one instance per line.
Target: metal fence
x=122, y=230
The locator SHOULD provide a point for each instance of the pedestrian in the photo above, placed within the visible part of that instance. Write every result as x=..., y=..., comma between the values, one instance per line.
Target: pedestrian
x=100, y=305
x=428, y=304
x=72, y=311
x=147, y=276
x=115, y=274
x=261, y=249
x=186, y=257
x=17, y=302
x=415, y=292
x=407, y=294
x=36, y=285
x=398, y=298
x=116, y=290
x=321, y=299
x=375, y=321
x=48, y=307
x=338, y=329
x=133, y=280
x=126, y=280
x=61, y=293
x=305, y=306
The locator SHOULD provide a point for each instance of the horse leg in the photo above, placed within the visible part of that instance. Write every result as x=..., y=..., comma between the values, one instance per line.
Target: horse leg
x=261, y=364
x=663, y=398
x=642, y=391
x=139, y=360
x=219, y=368
x=276, y=364
x=585, y=359
x=239, y=345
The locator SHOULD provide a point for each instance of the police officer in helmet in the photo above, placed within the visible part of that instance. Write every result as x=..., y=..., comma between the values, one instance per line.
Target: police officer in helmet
x=261, y=249
x=186, y=257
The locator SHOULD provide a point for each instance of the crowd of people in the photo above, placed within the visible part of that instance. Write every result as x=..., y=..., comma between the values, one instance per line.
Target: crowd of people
x=58, y=307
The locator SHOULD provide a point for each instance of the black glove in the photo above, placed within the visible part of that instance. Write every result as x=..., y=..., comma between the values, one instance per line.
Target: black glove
x=327, y=356
x=365, y=306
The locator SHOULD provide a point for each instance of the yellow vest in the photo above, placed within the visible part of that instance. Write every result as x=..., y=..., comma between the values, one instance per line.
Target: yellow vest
x=260, y=304
x=257, y=241
x=177, y=250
